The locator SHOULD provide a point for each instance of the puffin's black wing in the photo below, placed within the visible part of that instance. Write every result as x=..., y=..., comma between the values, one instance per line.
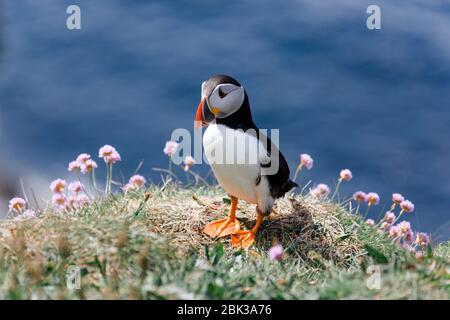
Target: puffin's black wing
x=279, y=182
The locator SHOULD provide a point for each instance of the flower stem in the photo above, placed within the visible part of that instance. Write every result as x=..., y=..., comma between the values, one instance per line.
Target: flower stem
x=198, y=178
x=110, y=176
x=188, y=178
x=93, y=181
x=299, y=168
x=399, y=215
x=367, y=211
x=108, y=179
x=170, y=164
x=337, y=189
x=357, y=208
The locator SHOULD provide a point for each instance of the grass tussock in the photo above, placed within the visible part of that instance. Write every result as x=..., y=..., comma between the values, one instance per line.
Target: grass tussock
x=149, y=245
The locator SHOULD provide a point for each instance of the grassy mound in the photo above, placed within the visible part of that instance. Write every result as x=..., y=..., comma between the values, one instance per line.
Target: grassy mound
x=147, y=245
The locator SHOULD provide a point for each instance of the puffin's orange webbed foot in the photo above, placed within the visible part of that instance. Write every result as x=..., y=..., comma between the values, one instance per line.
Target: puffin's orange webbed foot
x=243, y=239
x=246, y=238
x=222, y=228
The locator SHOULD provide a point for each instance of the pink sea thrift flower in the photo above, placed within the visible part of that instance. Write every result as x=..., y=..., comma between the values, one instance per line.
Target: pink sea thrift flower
x=17, y=204
x=394, y=232
x=321, y=190
x=373, y=198
x=76, y=187
x=88, y=166
x=59, y=200
x=360, y=196
x=170, y=148
x=370, y=222
x=109, y=154
x=137, y=181
x=385, y=226
x=81, y=201
x=70, y=202
x=422, y=239
x=188, y=162
x=408, y=237
x=58, y=185
x=389, y=217
x=83, y=157
x=397, y=198
x=115, y=157
x=276, y=252
x=84, y=163
x=29, y=213
x=407, y=206
x=404, y=227
x=306, y=161
x=346, y=175
x=74, y=166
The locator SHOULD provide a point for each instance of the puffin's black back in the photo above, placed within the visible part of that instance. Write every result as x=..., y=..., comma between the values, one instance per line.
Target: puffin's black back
x=242, y=119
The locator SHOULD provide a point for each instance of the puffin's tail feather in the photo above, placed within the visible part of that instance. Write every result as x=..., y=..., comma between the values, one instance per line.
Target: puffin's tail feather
x=291, y=185
x=286, y=187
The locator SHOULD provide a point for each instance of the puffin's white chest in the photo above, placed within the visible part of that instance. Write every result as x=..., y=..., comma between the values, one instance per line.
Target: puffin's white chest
x=233, y=156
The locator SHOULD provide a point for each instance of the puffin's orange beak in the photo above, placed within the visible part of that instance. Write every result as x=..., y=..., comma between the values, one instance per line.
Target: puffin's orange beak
x=204, y=114
x=199, y=118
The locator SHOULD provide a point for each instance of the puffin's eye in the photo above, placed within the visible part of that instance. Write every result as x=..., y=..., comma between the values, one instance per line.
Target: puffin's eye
x=222, y=94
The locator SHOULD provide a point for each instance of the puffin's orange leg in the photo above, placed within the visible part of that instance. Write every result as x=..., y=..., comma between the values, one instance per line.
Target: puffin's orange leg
x=224, y=227
x=246, y=238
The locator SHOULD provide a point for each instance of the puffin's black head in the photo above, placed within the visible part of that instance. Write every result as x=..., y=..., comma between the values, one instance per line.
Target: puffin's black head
x=222, y=96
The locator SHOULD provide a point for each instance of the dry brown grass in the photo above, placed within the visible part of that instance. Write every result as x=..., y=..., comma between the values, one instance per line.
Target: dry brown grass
x=307, y=227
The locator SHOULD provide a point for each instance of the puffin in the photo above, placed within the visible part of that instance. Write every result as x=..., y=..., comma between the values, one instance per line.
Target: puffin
x=240, y=156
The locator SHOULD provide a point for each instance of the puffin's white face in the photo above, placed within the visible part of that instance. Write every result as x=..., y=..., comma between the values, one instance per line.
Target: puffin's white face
x=225, y=99
x=221, y=97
